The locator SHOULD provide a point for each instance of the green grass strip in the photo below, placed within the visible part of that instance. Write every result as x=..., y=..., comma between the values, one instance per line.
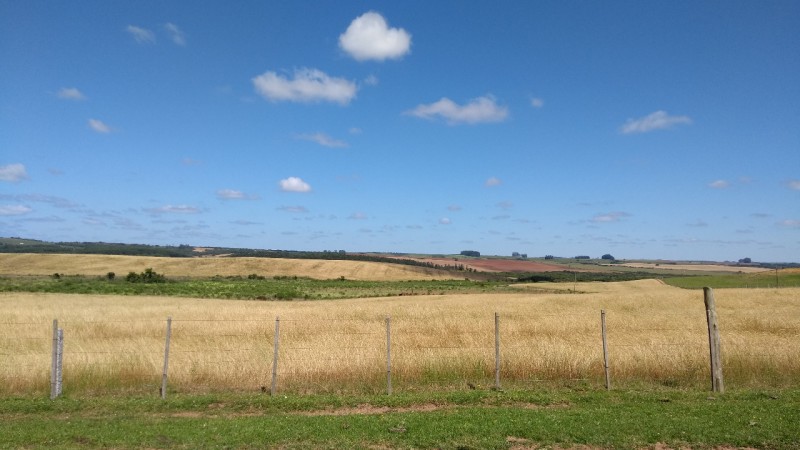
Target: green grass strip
x=475, y=419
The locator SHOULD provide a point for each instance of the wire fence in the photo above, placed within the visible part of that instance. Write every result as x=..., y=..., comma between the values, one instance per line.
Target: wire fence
x=382, y=353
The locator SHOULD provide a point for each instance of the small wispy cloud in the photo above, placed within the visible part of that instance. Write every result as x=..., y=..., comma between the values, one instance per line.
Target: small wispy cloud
x=614, y=216
x=371, y=80
x=307, y=86
x=294, y=184
x=191, y=162
x=174, y=209
x=13, y=173
x=294, y=209
x=370, y=37
x=445, y=221
x=454, y=208
x=537, y=102
x=323, y=140
x=506, y=205
x=357, y=216
x=176, y=34
x=232, y=194
x=492, y=181
x=14, y=210
x=141, y=35
x=70, y=94
x=793, y=185
x=697, y=224
x=479, y=110
x=789, y=223
x=658, y=120
x=719, y=184
x=99, y=126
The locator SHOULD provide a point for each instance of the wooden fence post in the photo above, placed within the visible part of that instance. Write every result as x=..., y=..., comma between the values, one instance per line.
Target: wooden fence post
x=60, y=363
x=496, y=351
x=714, y=347
x=276, y=340
x=388, y=355
x=605, y=347
x=54, y=362
x=166, y=359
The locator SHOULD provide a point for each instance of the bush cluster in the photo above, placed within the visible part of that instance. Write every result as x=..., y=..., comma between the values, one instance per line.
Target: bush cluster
x=148, y=276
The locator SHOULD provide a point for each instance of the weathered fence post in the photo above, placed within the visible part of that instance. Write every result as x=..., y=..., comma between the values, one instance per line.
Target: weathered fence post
x=713, y=341
x=54, y=362
x=276, y=340
x=388, y=355
x=166, y=359
x=605, y=347
x=60, y=363
x=497, y=351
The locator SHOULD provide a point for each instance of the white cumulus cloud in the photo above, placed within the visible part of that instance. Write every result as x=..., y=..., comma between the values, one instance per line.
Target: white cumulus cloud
x=14, y=210
x=141, y=35
x=479, y=110
x=323, y=140
x=176, y=34
x=308, y=85
x=369, y=37
x=294, y=184
x=13, y=173
x=658, y=120
x=99, y=126
x=71, y=94
x=445, y=221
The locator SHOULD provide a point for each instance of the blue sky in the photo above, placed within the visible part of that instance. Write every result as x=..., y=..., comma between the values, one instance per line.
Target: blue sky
x=642, y=129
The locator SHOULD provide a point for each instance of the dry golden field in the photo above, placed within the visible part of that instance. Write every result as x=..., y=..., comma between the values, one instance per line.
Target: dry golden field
x=100, y=265
x=657, y=335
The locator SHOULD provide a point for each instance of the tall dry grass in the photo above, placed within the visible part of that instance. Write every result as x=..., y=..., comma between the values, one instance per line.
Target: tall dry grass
x=657, y=335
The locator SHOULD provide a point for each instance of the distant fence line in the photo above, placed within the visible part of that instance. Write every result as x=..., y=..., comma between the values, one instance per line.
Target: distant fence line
x=383, y=361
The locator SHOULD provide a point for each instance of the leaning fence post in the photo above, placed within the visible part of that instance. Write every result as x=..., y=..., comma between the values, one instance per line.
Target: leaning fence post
x=605, y=347
x=497, y=351
x=714, y=346
x=54, y=362
x=166, y=359
x=388, y=355
x=276, y=339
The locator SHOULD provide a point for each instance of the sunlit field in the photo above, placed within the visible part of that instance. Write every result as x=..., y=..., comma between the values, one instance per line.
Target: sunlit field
x=657, y=335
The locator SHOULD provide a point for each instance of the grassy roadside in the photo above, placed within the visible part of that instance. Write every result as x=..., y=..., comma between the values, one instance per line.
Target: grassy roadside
x=474, y=419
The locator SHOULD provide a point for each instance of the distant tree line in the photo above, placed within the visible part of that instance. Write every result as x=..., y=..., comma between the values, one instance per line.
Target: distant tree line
x=188, y=251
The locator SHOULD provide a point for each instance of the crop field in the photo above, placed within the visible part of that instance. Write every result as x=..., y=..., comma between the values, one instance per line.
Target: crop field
x=657, y=336
x=100, y=265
